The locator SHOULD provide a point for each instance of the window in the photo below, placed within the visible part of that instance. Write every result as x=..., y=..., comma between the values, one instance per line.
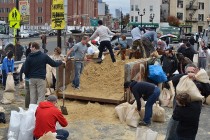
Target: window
x=136, y=8
x=131, y=18
x=200, y=17
x=136, y=18
x=132, y=7
x=7, y=10
x=1, y=10
x=180, y=4
x=39, y=19
x=201, y=5
x=180, y=16
x=151, y=8
x=39, y=9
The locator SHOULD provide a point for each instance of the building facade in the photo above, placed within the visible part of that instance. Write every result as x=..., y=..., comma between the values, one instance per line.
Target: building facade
x=194, y=15
x=145, y=12
x=78, y=11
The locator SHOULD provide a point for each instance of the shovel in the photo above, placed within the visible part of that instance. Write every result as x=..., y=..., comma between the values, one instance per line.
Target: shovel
x=63, y=108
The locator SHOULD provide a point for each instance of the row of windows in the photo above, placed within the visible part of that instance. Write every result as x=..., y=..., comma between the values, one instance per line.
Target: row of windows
x=39, y=19
x=200, y=4
x=200, y=16
x=7, y=10
x=137, y=8
x=13, y=1
x=136, y=19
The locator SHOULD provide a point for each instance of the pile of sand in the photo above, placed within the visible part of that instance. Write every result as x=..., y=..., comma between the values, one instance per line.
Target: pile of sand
x=102, y=80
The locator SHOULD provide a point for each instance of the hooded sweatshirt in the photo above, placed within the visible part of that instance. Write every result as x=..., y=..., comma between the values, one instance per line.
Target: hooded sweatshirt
x=46, y=117
x=35, y=65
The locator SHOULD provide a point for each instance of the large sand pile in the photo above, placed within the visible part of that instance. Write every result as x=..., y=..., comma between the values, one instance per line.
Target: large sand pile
x=102, y=80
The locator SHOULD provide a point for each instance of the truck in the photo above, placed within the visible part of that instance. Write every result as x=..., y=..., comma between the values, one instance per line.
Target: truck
x=6, y=43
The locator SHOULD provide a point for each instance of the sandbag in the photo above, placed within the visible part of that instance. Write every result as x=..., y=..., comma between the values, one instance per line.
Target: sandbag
x=48, y=76
x=48, y=136
x=27, y=125
x=133, y=118
x=142, y=103
x=19, y=68
x=186, y=85
x=158, y=114
x=14, y=125
x=21, y=85
x=2, y=109
x=202, y=76
x=172, y=94
x=208, y=100
x=8, y=98
x=143, y=133
x=164, y=97
x=195, y=59
x=121, y=111
x=10, y=84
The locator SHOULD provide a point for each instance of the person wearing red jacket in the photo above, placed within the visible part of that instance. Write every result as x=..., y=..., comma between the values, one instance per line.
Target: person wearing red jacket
x=47, y=114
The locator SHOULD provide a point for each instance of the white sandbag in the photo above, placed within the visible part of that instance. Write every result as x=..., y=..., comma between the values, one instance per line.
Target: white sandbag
x=160, y=137
x=48, y=91
x=158, y=114
x=142, y=103
x=19, y=68
x=14, y=125
x=121, y=111
x=27, y=126
x=8, y=98
x=202, y=76
x=143, y=133
x=164, y=97
x=48, y=76
x=195, y=59
x=133, y=118
x=48, y=136
x=208, y=100
x=186, y=85
x=172, y=92
x=10, y=84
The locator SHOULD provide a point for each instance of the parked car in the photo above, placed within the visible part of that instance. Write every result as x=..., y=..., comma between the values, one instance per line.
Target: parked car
x=52, y=32
x=33, y=33
x=24, y=34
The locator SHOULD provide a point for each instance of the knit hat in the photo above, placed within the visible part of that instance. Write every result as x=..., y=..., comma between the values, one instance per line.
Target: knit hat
x=52, y=98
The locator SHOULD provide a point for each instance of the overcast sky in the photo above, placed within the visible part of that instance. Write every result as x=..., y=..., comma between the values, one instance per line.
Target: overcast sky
x=118, y=4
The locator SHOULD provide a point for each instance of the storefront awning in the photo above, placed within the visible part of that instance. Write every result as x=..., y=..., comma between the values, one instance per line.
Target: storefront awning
x=147, y=25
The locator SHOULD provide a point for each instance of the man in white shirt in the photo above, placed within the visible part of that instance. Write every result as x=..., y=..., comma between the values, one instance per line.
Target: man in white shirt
x=104, y=34
x=136, y=33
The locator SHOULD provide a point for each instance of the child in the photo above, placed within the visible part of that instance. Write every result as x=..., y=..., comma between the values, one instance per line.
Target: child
x=122, y=46
x=187, y=113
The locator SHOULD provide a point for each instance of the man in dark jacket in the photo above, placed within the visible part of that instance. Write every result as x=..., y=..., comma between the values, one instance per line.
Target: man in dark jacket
x=35, y=70
x=47, y=114
x=147, y=91
x=189, y=51
x=18, y=51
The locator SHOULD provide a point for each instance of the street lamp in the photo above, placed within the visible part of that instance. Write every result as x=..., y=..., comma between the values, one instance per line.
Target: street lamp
x=152, y=17
x=141, y=15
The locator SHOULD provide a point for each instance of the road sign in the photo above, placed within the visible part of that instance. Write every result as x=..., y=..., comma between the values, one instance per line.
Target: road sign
x=14, y=24
x=14, y=15
x=57, y=15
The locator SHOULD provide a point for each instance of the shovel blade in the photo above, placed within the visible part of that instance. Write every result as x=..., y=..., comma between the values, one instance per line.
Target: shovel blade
x=64, y=110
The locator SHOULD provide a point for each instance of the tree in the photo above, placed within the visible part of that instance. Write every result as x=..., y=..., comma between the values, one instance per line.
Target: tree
x=173, y=21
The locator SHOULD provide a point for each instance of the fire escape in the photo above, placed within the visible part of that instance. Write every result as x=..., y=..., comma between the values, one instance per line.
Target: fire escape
x=191, y=9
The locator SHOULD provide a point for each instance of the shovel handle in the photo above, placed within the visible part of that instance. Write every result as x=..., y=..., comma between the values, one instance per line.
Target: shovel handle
x=64, y=72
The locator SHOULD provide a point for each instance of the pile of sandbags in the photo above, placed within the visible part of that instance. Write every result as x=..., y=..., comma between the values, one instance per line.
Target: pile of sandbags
x=22, y=124
x=9, y=95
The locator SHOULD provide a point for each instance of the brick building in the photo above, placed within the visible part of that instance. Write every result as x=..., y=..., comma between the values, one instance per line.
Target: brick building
x=78, y=11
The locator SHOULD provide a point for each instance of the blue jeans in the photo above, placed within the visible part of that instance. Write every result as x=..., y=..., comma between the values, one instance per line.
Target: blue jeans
x=78, y=67
x=171, y=130
x=62, y=134
x=148, y=107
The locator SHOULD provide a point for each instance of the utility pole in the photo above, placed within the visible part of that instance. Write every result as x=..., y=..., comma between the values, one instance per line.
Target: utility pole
x=121, y=16
x=17, y=32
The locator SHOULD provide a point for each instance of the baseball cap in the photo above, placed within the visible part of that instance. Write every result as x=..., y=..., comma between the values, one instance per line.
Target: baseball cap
x=52, y=98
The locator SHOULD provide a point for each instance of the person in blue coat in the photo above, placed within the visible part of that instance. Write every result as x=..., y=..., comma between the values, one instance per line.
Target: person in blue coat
x=7, y=67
